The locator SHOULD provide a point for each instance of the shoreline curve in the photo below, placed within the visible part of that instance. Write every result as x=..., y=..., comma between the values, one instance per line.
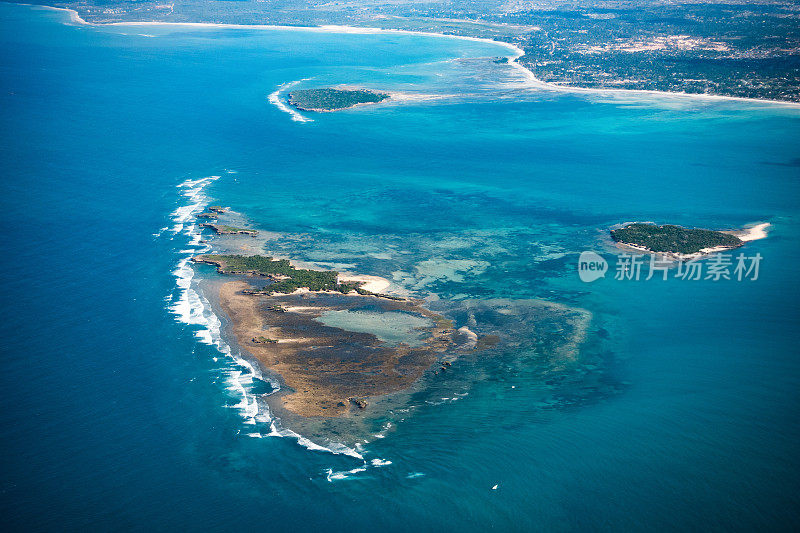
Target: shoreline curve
x=518, y=52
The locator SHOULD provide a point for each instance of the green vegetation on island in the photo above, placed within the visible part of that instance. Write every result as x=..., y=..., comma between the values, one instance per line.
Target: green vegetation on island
x=673, y=239
x=285, y=277
x=333, y=99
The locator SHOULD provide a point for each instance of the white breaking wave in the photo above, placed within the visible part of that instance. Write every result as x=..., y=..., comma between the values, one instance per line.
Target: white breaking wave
x=275, y=99
x=336, y=476
x=336, y=448
x=190, y=307
x=333, y=475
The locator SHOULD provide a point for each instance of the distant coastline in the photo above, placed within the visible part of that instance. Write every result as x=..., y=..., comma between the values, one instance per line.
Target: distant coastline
x=533, y=81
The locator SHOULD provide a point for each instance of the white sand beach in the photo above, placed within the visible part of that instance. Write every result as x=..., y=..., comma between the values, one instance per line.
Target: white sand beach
x=374, y=284
x=752, y=233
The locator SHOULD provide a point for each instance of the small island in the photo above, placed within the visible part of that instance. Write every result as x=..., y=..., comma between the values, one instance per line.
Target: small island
x=671, y=239
x=322, y=100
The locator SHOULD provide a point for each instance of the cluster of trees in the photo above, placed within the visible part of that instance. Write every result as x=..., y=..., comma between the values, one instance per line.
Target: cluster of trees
x=330, y=99
x=286, y=278
x=673, y=239
x=295, y=278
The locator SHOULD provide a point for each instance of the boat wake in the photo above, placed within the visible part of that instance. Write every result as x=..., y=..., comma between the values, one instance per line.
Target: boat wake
x=190, y=307
x=275, y=99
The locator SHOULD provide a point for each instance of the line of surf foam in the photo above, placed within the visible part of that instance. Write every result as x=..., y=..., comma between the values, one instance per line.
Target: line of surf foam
x=276, y=431
x=334, y=475
x=275, y=99
x=190, y=307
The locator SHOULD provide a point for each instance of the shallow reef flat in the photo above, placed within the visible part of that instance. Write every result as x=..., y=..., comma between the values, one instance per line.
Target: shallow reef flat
x=351, y=356
x=329, y=371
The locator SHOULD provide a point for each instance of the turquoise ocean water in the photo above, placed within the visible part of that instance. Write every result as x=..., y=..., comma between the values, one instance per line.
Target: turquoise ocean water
x=679, y=409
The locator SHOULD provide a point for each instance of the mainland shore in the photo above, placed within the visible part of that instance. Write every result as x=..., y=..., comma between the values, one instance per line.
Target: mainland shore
x=531, y=80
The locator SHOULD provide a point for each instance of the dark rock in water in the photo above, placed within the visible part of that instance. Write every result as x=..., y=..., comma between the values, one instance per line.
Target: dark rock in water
x=361, y=403
x=229, y=230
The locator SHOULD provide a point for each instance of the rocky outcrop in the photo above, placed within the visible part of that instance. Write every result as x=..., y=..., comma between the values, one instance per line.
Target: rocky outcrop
x=359, y=402
x=229, y=230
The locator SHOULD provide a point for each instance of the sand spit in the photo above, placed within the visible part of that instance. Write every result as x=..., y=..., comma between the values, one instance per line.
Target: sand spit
x=752, y=233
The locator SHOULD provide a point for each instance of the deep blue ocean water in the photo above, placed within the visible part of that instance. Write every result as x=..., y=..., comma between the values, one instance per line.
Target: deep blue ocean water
x=681, y=413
